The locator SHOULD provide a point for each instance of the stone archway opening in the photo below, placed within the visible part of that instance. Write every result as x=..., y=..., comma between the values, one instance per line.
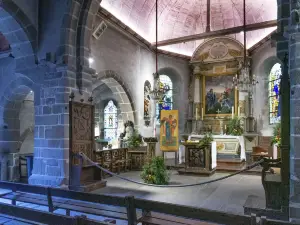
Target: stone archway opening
x=109, y=89
x=17, y=132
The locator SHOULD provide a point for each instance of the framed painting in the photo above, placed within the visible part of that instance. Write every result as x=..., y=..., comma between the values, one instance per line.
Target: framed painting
x=169, y=130
x=220, y=97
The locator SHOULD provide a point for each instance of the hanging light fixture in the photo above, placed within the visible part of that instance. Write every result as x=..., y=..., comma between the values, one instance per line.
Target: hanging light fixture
x=159, y=89
x=244, y=81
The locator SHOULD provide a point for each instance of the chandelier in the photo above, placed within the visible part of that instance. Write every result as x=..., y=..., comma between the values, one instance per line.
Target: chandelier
x=159, y=89
x=243, y=80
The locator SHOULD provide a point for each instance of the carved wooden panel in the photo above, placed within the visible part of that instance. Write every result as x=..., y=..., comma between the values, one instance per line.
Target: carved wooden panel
x=81, y=131
x=196, y=157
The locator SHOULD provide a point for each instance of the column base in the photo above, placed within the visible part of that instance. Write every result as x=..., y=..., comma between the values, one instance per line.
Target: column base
x=45, y=180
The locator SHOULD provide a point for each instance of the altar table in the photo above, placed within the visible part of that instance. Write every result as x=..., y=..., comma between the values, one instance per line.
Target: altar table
x=226, y=144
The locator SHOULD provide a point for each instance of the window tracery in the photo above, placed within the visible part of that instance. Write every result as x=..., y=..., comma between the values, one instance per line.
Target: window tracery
x=110, y=121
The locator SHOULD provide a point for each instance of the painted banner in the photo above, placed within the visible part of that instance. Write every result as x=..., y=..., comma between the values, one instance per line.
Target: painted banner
x=169, y=130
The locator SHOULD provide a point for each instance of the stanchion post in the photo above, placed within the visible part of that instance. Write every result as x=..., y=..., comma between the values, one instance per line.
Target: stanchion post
x=131, y=211
x=253, y=219
x=263, y=220
x=49, y=198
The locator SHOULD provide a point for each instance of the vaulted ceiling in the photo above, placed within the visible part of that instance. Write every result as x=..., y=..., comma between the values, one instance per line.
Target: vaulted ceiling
x=177, y=18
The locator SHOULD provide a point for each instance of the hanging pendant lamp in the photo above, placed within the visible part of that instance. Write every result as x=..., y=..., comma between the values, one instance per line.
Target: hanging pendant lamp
x=159, y=90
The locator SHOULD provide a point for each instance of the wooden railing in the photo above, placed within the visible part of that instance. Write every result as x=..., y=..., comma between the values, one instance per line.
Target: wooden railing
x=121, y=159
x=130, y=203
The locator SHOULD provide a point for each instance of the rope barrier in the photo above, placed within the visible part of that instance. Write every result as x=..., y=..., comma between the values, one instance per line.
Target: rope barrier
x=167, y=186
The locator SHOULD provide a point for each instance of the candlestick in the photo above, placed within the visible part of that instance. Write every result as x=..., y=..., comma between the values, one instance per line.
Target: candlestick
x=239, y=111
x=202, y=113
x=232, y=112
x=196, y=113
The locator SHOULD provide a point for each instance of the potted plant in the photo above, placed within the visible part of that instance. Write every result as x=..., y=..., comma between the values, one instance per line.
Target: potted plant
x=234, y=127
x=206, y=140
x=135, y=140
x=155, y=172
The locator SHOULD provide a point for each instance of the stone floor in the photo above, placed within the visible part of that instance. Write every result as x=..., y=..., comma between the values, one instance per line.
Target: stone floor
x=227, y=195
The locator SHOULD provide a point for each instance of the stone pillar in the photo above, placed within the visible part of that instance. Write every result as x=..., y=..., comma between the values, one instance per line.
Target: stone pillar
x=51, y=133
x=291, y=125
x=197, y=100
x=282, y=52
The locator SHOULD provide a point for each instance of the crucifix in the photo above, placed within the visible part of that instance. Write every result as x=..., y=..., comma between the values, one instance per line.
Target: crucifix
x=221, y=121
x=218, y=111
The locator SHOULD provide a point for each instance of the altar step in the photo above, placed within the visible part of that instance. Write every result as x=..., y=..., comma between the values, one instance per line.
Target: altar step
x=232, y=166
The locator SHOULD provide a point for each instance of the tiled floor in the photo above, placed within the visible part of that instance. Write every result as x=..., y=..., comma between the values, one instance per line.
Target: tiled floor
x=227, y=195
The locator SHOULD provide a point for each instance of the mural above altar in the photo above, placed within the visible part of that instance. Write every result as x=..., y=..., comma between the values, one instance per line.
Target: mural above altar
x=227, y=146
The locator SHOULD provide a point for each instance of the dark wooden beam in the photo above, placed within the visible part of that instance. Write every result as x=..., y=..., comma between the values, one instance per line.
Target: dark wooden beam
x=217, y=33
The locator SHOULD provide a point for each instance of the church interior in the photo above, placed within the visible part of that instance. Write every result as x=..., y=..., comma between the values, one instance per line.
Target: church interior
x=150, y=112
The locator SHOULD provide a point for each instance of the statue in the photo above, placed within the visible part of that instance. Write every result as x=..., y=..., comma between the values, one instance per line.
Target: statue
x=128, y=132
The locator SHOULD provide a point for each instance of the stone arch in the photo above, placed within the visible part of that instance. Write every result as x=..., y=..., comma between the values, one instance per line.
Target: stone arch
x=120, y=90
x=78, y=23
x=11, y=102
x=20, y=33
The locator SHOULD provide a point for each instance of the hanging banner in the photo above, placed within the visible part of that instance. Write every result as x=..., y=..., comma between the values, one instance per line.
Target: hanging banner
x=169, y=130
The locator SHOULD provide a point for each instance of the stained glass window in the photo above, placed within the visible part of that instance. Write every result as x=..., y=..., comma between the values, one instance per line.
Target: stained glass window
x=274, y=87
x=166, y=103
x=110, y=121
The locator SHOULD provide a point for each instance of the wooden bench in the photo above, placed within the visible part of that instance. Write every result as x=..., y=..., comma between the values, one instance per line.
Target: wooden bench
x=164, y=219
x=107, y=211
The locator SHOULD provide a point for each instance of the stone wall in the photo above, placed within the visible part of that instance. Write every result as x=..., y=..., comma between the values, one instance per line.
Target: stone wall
x=263, y=60
x=134, y=64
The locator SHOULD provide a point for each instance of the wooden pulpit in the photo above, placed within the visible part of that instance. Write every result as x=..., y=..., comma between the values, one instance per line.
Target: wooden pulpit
x=83, y=176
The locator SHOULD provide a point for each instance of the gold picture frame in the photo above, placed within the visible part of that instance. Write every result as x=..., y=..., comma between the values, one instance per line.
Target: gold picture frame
x=236, y=96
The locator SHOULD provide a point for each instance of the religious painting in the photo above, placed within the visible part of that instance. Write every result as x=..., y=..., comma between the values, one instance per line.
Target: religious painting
x=147, y=103
x=169, y=130
x=110, y=121
x=219, y=95
x=274, y=87
x=166, y=102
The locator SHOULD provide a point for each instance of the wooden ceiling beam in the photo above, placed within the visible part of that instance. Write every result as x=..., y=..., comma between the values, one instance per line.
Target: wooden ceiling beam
x=217, y=33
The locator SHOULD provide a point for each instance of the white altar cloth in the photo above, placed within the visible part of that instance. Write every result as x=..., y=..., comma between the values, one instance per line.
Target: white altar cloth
x=239, y=138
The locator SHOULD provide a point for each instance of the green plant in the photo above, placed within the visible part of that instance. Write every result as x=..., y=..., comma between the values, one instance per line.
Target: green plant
x=155, y=172
x=234, y=127
x=276, y=134
x=206, y=140
x=135, y=140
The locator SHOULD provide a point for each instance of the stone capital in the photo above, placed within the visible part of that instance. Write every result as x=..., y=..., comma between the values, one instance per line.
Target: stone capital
x=196, y=70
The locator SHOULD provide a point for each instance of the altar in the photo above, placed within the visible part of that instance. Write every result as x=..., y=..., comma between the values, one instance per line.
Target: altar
x=227, y=146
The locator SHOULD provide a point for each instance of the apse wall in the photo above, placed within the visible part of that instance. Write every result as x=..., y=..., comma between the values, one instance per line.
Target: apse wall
x=263, y=60
x=134, y=64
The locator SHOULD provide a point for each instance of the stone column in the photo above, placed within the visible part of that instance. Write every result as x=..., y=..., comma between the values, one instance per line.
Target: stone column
x=282, y=52
x=290, y=152
x=197, y=100
x=51, y=133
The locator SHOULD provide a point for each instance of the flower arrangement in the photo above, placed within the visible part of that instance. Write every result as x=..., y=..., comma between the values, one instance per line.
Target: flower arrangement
x=155, y=172
x=234, y=127
x=276, y=134
x=135, y=140
x=206, y=140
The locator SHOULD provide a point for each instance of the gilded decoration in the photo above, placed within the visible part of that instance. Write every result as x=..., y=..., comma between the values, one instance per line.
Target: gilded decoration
x=234, y=53
x=242, y=104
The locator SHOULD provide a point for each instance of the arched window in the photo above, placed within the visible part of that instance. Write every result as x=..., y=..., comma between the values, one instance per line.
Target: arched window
x=274, y=87
x=166, y=103
x=110, y=121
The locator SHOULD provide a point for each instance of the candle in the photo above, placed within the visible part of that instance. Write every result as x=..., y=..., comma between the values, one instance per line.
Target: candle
x=225, y=128
x=238, y=111
x=196, y=113
x=232, y=112
x=202, y=113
